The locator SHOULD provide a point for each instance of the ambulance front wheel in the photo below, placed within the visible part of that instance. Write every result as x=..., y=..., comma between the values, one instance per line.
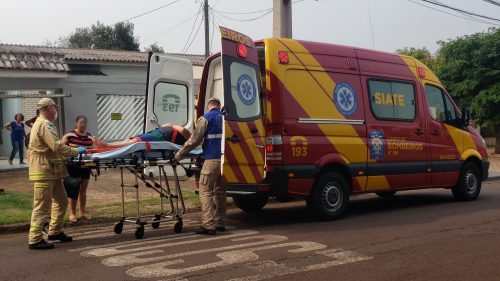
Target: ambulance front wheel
x=251, y=203
x=330, y=196
x=469, y=183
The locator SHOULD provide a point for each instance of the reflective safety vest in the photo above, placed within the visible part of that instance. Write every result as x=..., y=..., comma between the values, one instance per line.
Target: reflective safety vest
x=213, y=135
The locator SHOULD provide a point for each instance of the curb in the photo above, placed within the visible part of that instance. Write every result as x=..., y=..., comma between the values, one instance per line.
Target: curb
x=493, y=178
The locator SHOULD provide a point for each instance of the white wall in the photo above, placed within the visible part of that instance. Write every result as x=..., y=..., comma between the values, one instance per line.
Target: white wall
x=9, y=108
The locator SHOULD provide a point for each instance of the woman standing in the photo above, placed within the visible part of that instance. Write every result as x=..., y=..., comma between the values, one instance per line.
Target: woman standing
x=17, y=137
x=76, y=138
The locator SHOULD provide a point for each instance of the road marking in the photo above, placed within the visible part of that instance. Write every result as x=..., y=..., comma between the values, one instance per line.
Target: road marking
x=162, y=243
x=270, y=269
x=136, y=258
x=163, y=257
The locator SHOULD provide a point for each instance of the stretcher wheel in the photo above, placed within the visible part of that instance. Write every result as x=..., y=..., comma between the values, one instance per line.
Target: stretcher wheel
x=118, y=228
x=155, y=225
x=178, y=227
x=139, y=232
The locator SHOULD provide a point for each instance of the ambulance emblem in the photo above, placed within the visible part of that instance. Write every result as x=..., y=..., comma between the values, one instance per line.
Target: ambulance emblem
x=376, y=144
x=345, y=99
x=246, y=89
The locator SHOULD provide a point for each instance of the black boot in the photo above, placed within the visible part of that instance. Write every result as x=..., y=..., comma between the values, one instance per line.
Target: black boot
x=42, y=245
x=205, y=231
x=61, y=237
x=220, y=228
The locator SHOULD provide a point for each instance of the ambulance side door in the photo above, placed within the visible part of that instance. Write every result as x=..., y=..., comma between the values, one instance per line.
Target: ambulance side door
x=170, y=97
x=397, y=142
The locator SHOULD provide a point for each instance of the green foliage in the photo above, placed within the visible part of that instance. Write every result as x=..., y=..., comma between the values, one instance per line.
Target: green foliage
x=155, y=48
x=470, y=69
x=422, y=55
x=99, y=36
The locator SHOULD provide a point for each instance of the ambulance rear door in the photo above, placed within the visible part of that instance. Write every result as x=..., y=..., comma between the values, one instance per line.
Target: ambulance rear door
x=170, y=97
x=244, y=133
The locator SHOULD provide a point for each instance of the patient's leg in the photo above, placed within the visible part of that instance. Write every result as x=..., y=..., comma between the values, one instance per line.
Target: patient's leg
x=99, y=143
x=122, y=143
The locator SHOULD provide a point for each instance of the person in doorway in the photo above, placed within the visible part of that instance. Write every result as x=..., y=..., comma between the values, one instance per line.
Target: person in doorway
x=209, y=131
x=17, y=135
x=167, y=132
x=79, y=137
x=46, y=171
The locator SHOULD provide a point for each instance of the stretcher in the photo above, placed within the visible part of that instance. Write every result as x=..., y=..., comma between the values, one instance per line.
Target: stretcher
x=135, y=158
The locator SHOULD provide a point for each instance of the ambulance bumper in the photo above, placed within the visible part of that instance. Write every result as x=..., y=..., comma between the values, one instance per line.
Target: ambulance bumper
x=280, y=178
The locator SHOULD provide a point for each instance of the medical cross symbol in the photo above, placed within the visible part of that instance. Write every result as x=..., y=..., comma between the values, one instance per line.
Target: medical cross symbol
x=246, y=89
x=345, y=99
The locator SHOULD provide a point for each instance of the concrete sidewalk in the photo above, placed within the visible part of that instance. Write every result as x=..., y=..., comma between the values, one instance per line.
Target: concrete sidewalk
x=6, y=167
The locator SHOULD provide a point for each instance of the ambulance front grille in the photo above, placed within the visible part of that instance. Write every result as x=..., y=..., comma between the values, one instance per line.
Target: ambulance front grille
x=119, y=116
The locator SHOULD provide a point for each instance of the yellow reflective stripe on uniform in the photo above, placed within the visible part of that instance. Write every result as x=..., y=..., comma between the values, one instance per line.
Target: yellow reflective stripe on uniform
x=41, y=184
x=37, y=173
x=35, y=227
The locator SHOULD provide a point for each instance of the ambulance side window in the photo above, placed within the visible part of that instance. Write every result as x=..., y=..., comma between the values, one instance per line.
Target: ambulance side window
x=392, y=100
x=440, y=105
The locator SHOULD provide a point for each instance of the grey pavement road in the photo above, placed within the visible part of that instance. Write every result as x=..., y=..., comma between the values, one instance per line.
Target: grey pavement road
x=418, y=235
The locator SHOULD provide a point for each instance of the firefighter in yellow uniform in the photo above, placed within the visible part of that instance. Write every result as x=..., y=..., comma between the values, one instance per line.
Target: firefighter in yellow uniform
x=46, y=171
x=209, y=131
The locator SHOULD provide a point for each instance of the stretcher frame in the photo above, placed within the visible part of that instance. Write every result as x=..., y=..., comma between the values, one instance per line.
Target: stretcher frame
x=136, y=165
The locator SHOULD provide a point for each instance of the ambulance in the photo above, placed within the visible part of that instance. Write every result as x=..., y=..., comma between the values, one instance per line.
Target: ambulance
x=323, y=122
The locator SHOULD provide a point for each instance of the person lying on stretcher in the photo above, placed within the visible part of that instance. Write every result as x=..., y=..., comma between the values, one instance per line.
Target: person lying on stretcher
x=167, y=132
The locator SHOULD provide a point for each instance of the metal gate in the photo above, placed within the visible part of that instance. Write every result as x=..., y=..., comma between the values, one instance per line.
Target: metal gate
x=119, y=116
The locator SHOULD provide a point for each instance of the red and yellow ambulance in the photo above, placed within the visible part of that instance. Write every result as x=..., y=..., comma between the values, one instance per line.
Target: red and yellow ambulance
x=322, y=122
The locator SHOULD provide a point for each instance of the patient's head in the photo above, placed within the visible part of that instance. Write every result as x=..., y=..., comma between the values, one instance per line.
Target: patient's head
x=213, y=103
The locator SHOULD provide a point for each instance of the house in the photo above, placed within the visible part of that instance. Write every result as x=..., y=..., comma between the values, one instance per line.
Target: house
x=94, y=83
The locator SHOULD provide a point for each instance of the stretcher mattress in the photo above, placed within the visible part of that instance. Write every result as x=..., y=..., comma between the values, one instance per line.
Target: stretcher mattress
x=142, y=150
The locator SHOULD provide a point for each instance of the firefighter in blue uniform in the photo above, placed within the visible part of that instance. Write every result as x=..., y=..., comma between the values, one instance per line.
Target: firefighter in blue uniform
x=209, y=131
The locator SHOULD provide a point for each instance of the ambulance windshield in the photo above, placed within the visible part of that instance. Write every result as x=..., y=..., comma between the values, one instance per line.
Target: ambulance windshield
x=242, y=93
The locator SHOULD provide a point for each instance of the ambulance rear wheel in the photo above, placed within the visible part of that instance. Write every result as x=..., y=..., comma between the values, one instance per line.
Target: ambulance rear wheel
x=329, y=197
x=251, y=203
x=386, y=194
x=469, y=183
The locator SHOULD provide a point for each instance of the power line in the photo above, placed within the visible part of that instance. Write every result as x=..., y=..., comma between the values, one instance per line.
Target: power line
x=173, y=27
x=194, y=37
x=492, y=2
x=149, y=12
x=455, y=15
x=192, y=28
x=245, y=20
x=243, y=13
x=460, y=10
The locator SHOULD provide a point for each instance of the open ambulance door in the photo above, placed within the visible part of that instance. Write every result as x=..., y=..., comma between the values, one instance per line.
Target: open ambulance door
x=170, y=97
x=244, y=132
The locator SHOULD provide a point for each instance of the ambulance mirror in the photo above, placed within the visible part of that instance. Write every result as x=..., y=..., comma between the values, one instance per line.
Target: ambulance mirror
x=465, y=120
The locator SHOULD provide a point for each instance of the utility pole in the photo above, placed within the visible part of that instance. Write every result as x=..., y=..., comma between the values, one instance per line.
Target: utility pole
x=207, y=25
x=282, y=18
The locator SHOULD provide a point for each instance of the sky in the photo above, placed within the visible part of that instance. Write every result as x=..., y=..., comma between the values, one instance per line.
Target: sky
x=395, y=23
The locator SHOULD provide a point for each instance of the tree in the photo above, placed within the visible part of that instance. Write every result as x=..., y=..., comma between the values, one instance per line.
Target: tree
x=470, y=69
x=155, y=48
x=422, y=55
x=99, y=36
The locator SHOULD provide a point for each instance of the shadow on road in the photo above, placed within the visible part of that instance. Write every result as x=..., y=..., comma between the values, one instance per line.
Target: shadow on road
x=370, y=211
